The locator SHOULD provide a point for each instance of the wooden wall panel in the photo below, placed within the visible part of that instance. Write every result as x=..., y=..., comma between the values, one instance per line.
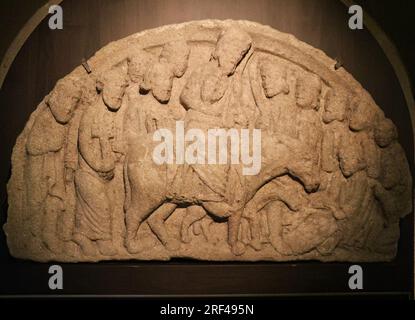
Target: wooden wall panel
x=88, y=25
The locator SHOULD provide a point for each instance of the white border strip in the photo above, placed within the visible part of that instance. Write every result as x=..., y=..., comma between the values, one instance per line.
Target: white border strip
x=385, y=43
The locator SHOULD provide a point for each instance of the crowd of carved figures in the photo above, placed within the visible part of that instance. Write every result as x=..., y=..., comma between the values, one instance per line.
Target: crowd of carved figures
x=333, y=175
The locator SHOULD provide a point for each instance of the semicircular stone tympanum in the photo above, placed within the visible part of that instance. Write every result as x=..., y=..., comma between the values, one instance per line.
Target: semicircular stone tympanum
x=213, y=140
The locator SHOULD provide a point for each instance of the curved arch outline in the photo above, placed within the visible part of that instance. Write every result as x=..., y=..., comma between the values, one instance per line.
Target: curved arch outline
x=380, y=36
x=394, y=58
x=22, y=36
x=382, y=39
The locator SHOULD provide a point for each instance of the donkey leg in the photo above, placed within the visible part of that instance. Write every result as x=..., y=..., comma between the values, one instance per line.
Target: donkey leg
x=193, y=214
x=156, y=223
x=144, y=199
x=133, y=222
x=237, y=247
x=134, y=217
x=255, y=229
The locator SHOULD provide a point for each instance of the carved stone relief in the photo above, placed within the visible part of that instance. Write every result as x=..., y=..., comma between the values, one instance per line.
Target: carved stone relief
x=332, y=182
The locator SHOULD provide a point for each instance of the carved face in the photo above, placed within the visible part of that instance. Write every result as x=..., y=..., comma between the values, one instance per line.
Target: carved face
x=113, y=91
x=176, y=53
x=307, y=91
x=274, y=78
x=335, y=106
x=362, y=115
x=63, y=100
x=385, y=133
x=138, y=66
x=341, y=193
x=160, y=78
x=231, y=48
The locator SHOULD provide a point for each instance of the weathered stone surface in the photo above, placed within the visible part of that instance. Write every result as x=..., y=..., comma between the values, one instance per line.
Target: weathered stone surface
x=85, y=186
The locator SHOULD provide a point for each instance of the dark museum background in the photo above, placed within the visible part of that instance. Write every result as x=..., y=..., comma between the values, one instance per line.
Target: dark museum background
x=89, y=25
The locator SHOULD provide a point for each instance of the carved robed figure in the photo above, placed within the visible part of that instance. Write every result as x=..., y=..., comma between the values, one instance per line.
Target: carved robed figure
x=100, y=174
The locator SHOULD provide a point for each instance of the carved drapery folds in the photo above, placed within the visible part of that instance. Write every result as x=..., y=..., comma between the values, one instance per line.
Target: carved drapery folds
x=333, y=180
